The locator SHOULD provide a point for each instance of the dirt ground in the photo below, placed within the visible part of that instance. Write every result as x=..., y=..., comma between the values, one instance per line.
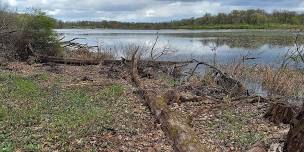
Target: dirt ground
x=125, y=123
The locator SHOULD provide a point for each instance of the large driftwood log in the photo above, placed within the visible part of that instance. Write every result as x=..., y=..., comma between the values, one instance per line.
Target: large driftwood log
x=173, y=124
x=295, y=137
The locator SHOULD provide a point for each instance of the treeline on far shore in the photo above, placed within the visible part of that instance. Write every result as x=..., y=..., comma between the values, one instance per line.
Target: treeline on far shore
x=236, y=19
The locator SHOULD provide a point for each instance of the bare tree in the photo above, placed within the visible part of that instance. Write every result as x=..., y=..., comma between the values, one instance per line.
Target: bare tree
x=296, y=53
x=156, y=53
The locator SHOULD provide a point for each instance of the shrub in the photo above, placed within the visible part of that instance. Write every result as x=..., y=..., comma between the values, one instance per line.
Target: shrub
x=37, y=33
x=32, y=35
x=7, y=25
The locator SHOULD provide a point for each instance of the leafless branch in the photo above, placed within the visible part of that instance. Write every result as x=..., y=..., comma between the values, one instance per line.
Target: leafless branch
x=198, y=63
x=153, y=46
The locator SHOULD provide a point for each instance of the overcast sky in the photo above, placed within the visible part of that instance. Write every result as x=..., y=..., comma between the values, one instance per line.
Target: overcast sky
x=146, y=10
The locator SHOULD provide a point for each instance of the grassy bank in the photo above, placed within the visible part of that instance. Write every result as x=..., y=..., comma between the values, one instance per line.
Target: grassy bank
x=44, y=111
x=52, y=107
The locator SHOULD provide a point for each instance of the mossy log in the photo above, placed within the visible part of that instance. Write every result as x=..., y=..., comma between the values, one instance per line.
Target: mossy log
x=173, y=124
x=282, y=112
x=295, y=137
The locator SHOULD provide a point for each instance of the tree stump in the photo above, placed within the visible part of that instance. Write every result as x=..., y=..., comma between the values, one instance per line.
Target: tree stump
x=295, y=137
x=282, y=112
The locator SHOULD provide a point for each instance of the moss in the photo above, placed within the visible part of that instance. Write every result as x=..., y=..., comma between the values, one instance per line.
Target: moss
x=160, y=103
x=173, y=131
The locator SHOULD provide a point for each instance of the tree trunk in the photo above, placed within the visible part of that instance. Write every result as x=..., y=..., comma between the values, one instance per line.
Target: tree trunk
x=295, y=137
x=175, y=126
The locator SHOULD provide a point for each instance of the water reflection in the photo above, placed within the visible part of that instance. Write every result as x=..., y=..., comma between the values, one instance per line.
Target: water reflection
x=224, y=46
x=267, y=46
x=250, y=43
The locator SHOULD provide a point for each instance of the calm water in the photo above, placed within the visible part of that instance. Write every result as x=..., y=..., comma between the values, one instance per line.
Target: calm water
x=266, y=46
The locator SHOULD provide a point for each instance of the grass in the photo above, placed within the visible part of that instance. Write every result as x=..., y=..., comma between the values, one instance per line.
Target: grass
x=232, y=127
x=277, y=81
x=168, y=80
x=37, y=118
x=86, y=54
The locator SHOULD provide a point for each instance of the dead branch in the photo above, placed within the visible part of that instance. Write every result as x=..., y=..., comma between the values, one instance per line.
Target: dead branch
x=234, y=87
x=69, y=41
x=155, y=54
x=153, y=46
x=198, y=63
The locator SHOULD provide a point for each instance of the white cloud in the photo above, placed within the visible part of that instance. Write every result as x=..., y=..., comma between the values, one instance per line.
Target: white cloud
x=10, y=2
x=145, y=10
x=150, y=13
x=53, y=12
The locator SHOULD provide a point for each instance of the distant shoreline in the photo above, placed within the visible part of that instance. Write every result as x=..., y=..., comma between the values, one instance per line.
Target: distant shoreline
x=207, y=27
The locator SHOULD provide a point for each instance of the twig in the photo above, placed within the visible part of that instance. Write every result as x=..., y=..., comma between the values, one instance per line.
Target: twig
x=153, y=46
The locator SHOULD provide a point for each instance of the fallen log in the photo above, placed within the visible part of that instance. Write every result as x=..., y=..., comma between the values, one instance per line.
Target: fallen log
x=72, y=61
x=58, y=60
x=146, y=62
x=173, y=124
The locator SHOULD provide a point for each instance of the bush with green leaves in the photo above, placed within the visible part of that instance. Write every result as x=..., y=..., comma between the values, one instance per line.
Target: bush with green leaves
x=32, y=33
x=37, y=30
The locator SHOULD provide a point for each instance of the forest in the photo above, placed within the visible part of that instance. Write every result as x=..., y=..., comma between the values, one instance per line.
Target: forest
x=236, y=19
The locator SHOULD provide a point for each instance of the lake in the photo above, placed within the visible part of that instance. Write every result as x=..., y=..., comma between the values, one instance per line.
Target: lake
x=268, y=46
x=227, y=46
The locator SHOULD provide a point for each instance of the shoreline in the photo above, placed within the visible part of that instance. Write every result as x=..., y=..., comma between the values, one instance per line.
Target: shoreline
x=211, y=27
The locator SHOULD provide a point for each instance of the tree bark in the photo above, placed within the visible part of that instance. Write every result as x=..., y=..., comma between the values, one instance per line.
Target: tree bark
x=173, y=124
x=295, y=137
x=282, y=112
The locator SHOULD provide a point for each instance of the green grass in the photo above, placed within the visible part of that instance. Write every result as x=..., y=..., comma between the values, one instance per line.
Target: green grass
x=33, y=117
x=168, y=80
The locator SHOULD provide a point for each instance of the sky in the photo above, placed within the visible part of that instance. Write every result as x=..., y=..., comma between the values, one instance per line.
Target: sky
x=145, y=10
